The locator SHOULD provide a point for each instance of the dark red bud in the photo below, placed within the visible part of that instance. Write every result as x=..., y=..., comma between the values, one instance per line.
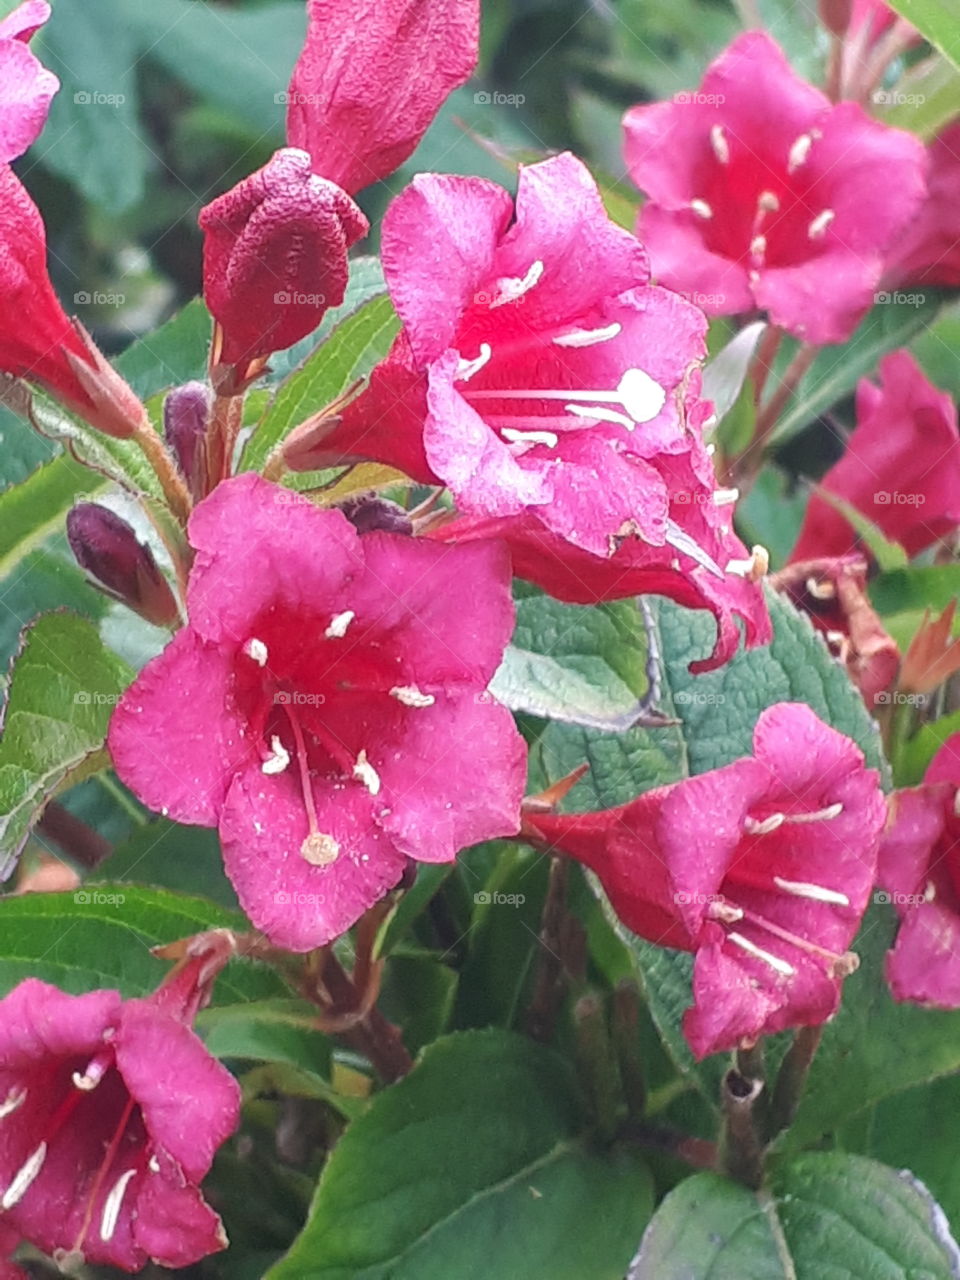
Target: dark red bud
x=186, y=412
x=275, y=256
x=109, y=550
x=369, y=513
x=835, y=15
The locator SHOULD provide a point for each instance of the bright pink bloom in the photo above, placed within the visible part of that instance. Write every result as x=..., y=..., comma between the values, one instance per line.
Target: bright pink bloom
x=326, y=706
x=112, y=1112
x=537, y=373
x=371, y=78
x=920, y=870
x=761, y=193
x=763, y=868
x=26, y=87
x=901, y=468
x=929, y=250
x=275, y=255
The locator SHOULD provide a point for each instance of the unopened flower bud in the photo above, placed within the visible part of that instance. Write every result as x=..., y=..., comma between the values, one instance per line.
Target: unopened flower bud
x=185, y=414
x=369, y=513
x=275, y=256
x=109, y=550
x=835, y=15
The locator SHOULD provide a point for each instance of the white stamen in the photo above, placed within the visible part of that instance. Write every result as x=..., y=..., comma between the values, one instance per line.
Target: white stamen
x=21, y=1184
x=820, y=223
x=718, y=140
x=725, y=497
x=530, y=438
x=510, y=288
x=758, y=246
x=467, y=368
x=768, y=202
x=14, y=1099
x=753, y=569
x=816, y=892
x=773, y=961
x=256, y=650
x=799, y=152
x=154, y=1165
x=701, y=209
x=835, y=637
x=588, y=337
x=364, y=772
x=319, y=849
x=598, y=413
x=338, y=625
x=640, y=395
x=819, y=815
x=86, y=1083
x=956, y=802
x=111, y=1207
x=680, y=539
x=824, y=590
x=754, y=827
x=711, y=449
x=725, y=912
x=411, y=696
x=278, y=760
x=930, y=892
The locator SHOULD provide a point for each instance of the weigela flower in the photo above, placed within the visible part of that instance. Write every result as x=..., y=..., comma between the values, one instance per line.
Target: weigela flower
x=901, y=467
x=761, y=193
x=928, y=252
x=763, y=868
x=326, y=707
x=112, y=1111
x=832, y=591
x=275, y=255
x=26, y=87
x=537, y=372
x=371, y=78
x=919, y=869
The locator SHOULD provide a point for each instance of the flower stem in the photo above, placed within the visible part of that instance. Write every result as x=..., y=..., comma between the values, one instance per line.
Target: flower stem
x=741, y=1144
x=769, y=415
x=552, y=968
x=791, y=1079
x=696, y=1152
x=165, y=469
x=80, y=842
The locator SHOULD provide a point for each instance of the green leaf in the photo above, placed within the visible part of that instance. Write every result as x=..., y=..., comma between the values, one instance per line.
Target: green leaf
x=771, y=514
x=240, y=60
x=917, y=752
x=169, y=856
x=924, y=100
x=577, y=664
x=824, y=1215
x=101, y=935
x=724, y=376
x=349, y=353
x=92, y=136
x=896, y=318
x=472, y=1166
x=936, y=20
x=30, y=512
x=172, y=354
x=907, y=1131
x=62, y=689
x=44, y=581
x=888, y=555
x=920, y=587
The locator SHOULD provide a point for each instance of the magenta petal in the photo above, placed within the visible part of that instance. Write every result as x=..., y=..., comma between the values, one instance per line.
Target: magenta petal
x=439, y=240
x=176, y=738
x=190, y=1102
x=924, y=965
x=297, y=905
x=459, y=779
x=257, y=543
x=38, y=1020
x=25, y=21
x=822, y=300
x=26, y=90
x=681, y=260
x=174, y=1225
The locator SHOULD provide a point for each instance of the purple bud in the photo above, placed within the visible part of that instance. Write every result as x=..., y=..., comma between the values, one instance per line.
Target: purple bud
x=186, y=411
x=368, y=513
x=109, y=550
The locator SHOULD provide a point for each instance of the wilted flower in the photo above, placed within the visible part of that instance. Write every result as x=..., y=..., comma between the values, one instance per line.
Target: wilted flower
x=763, y=868
x=762, y=193
x=326, y=707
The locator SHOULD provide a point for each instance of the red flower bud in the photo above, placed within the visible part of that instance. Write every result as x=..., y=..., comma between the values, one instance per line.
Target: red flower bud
x=275, y=255
x=185, y=414
x=108, y=549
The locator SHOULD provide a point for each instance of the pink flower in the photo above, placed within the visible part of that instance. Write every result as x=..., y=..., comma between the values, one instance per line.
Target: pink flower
x=929, y=250
x=275, y=255
x=112, y=1112
x=537, y=373
x=920, y=870
x=326, y=707
x=371, y=78
x=901, y=468
x=763, y=194
x=26, y=87
x=763, y=868
x=37, y=341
